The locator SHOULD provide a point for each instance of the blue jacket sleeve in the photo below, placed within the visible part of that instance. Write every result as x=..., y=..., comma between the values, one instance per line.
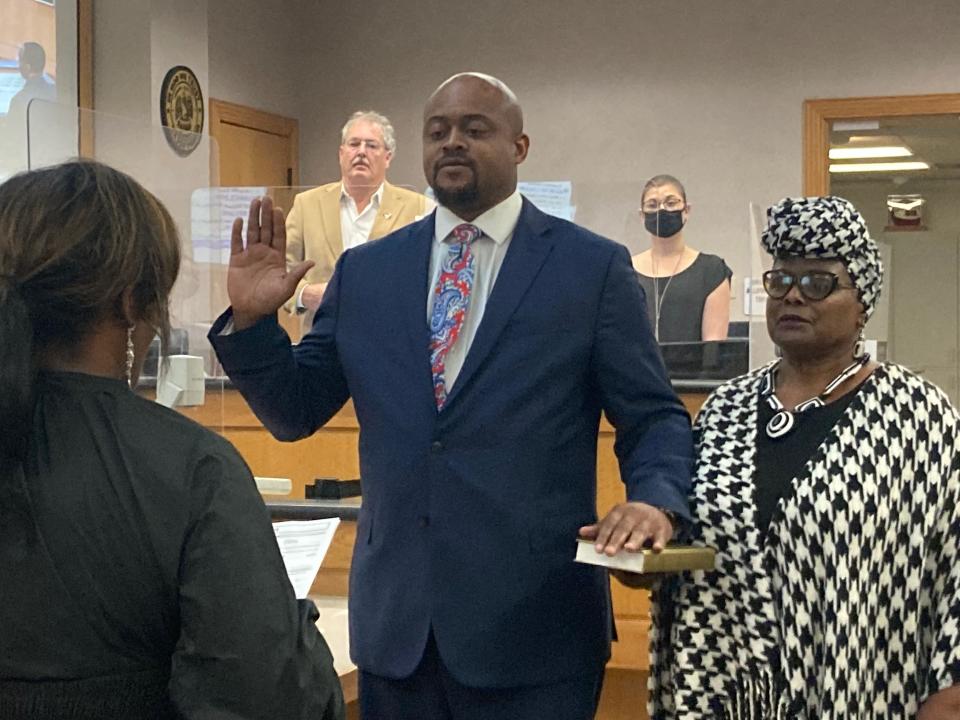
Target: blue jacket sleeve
x=293, y=390
x=653, y=440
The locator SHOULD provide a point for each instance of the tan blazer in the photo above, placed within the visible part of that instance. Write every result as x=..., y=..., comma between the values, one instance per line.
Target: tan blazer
x=313, y=227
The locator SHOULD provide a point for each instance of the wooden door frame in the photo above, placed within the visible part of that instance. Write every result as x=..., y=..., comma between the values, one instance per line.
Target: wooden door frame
x=222, y=111
x=85, y=77
x=819, y=116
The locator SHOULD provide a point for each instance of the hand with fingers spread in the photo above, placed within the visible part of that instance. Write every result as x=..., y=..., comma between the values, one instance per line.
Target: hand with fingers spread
x=632, y=526
x=258, y=280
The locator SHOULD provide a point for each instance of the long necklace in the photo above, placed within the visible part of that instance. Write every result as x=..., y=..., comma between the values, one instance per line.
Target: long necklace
x=784, y=421
x=657, y=300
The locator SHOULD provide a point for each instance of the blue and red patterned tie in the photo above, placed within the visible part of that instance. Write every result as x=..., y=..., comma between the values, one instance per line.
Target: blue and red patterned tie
x=451, y=300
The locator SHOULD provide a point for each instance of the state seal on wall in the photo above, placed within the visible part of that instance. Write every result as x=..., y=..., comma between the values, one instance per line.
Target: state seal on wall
x=181, y=109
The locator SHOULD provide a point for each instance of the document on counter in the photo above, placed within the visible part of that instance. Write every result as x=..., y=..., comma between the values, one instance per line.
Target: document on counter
x=303, y=545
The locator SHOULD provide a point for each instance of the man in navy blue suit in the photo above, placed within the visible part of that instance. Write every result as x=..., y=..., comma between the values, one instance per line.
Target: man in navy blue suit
x=480, y=346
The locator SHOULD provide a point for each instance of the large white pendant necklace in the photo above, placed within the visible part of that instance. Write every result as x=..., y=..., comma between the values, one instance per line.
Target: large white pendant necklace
x=784, y=421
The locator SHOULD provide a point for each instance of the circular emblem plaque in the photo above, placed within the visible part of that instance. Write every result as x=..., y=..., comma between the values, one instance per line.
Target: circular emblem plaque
x=181, y=109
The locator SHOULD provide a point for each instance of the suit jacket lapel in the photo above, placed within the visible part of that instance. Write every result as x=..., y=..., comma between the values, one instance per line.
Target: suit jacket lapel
x=330, y=213
x=528, y=250
x=388, y=214
x=412, y=273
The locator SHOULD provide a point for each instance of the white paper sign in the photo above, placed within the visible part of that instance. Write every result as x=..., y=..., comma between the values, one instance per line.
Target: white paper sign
x=212, y=212
x=552, y=197
x=303, y=545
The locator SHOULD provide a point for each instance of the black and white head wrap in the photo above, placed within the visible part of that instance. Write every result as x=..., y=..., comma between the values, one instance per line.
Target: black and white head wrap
x=828, y=228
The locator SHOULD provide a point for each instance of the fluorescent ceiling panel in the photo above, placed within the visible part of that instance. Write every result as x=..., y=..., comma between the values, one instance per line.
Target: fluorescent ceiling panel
x=878, y=167
x=859, y=153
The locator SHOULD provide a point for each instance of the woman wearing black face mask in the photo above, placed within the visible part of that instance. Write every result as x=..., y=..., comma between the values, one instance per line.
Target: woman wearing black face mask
x=688, y=292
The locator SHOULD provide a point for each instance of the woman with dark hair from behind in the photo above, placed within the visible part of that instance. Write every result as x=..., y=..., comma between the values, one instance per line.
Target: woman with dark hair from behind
x=139, y=573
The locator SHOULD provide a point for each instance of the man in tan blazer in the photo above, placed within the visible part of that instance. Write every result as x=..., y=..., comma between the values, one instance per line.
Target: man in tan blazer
x=362, y=206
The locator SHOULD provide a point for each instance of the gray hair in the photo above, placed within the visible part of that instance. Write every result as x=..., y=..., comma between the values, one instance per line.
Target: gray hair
x=386, y=129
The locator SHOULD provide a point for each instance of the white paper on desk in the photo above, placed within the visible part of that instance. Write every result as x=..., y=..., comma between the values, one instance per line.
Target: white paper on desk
x=303, y=545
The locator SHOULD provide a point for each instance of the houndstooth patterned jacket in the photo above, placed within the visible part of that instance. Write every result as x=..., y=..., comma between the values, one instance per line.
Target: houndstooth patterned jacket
x=849, y=605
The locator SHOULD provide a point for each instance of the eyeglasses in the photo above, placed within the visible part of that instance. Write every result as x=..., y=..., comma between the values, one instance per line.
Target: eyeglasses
x=369, y=145
x=671, y=204
x=813, y=284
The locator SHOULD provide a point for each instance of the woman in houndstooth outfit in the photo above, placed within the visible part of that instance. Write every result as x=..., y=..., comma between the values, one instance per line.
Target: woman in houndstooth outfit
x=830, y=486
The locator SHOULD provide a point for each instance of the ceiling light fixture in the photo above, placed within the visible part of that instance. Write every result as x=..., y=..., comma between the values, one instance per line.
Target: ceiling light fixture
x=878, y=167
x=857, y=153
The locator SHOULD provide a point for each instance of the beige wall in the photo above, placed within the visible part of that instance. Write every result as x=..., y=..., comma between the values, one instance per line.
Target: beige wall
x=256, y=58
x=121, y=49
x=136, y=43
x=616, y=90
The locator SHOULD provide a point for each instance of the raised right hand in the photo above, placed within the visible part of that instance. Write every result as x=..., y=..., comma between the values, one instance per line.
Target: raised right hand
x=258, y=280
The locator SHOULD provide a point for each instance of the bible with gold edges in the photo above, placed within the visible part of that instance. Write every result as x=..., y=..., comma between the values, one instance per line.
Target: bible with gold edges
x=673, y=558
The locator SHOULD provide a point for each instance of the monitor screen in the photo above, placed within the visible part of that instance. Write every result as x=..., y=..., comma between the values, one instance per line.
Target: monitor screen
x=11, y=82
x=714, y=360
x=28, y=52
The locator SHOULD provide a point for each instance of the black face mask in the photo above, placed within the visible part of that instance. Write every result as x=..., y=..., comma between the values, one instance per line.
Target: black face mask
x=663, y=223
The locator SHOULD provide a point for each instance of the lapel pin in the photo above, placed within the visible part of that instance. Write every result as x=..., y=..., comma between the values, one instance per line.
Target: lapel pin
x=387, y=215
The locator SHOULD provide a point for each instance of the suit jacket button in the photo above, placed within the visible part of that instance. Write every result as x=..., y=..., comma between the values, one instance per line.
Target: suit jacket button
x=424, y=521
x=436, y=446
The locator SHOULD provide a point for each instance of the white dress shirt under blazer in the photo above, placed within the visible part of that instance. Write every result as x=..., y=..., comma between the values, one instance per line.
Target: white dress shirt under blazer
x=497, y=224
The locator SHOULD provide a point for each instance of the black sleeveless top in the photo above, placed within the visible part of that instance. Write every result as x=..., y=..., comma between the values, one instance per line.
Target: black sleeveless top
x=682, y=297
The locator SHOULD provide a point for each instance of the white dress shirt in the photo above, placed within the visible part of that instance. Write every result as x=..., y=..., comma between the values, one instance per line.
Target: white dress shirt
x=355, y=226
x=497, y=224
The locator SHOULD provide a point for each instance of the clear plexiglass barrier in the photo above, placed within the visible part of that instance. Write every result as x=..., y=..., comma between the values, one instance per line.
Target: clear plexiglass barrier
x=693, y=283
x=762, y=349
x=175, y=166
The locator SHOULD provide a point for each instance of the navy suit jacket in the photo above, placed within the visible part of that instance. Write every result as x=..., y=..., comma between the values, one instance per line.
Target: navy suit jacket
x=470, y=515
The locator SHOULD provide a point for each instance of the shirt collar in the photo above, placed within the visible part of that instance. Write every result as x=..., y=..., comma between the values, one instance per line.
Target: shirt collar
x=375, y=200
x=497, y=223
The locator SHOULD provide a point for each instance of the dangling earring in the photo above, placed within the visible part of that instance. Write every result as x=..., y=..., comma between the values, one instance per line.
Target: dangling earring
x=130, y=356
x=860, y=347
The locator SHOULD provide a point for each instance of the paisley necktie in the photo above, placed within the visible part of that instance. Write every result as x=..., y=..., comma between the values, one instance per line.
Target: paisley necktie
x=451, y=300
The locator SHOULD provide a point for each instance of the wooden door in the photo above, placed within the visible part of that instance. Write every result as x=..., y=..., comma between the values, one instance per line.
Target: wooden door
x=259, y=149
x=255, y=147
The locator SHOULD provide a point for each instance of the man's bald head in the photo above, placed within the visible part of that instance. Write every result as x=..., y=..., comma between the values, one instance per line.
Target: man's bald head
x=472, y=143
x=511, y=106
